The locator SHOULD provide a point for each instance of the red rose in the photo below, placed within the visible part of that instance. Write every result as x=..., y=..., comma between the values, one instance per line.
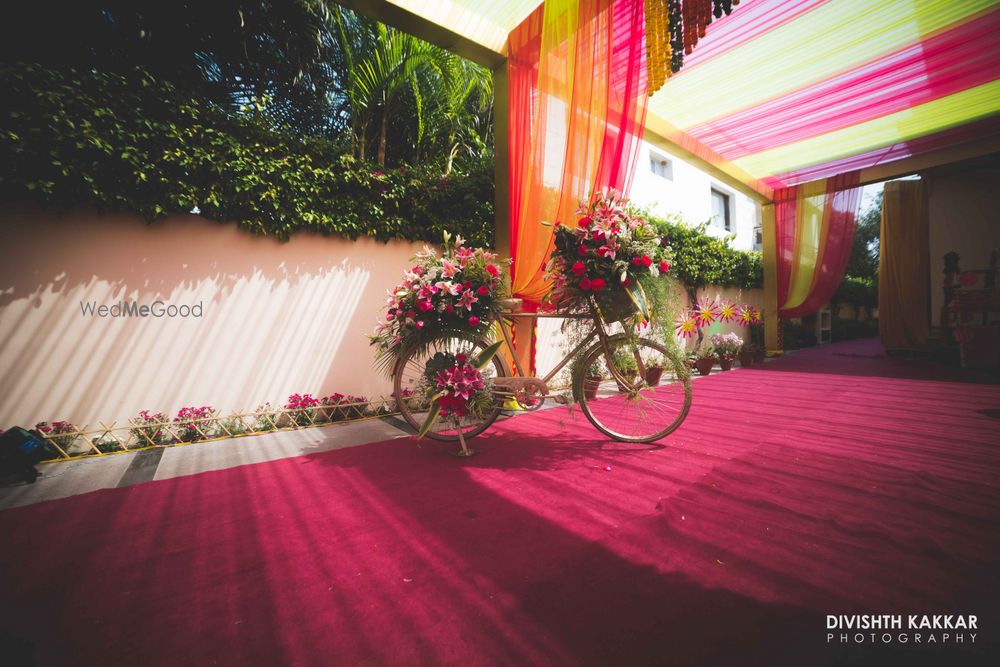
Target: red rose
x=637, y=261
x=578, y=268
x=473, y=321
x=664, y=267
x=467, y=284
x=597, y=284
x=492, y=270
x=582, y=250
x=410, y=313
x=646, y=260
x=585, y=222
x=461, y=358
x=424, y=306
x=483, y=290
x=585, y=284
x=627, y=281
x=450, y=308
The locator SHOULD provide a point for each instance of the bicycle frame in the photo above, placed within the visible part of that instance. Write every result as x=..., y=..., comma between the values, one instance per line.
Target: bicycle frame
x=599, y=332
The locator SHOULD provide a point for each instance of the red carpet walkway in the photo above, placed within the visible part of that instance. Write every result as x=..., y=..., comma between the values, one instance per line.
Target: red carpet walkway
x=832, y=481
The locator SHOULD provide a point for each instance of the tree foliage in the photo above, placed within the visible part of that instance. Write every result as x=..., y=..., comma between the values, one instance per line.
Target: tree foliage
x=136, y=143
x=303, y=66
x=863, y=262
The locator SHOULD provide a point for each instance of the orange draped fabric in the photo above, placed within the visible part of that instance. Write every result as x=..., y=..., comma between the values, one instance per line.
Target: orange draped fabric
x=577, y=82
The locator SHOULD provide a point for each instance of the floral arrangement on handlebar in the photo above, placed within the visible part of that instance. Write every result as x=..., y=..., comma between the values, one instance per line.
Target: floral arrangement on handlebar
x=456, y=293
x=610, y=254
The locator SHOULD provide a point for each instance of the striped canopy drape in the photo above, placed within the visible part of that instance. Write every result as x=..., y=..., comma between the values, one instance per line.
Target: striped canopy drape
x=814, y=226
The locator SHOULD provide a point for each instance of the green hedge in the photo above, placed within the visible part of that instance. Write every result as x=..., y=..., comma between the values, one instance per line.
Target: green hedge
x=857, y=291
x=134, y=143
x=699, y=259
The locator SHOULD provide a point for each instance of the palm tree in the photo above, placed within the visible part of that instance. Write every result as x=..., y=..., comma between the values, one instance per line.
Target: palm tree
x=387, y=71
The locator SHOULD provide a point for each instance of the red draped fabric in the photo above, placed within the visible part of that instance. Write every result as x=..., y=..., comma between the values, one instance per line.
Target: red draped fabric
x=814, y=226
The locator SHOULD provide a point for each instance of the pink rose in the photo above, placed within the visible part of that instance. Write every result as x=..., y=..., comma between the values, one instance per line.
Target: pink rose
x=473, y=321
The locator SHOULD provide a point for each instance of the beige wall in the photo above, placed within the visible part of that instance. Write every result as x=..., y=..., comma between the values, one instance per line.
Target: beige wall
x=278, y=317
x=964, y=217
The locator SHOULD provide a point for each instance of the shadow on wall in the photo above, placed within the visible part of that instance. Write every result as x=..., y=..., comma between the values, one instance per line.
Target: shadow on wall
x=277, y=318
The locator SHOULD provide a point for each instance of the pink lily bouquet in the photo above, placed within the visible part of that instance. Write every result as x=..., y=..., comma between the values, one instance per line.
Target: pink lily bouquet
x=608, y=256
x=459, y=389
x=456, y=293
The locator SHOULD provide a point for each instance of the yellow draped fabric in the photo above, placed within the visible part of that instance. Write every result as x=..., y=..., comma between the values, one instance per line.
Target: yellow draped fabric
x=904, y=271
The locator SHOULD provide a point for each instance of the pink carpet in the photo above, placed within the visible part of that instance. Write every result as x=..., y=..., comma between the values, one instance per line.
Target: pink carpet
x=829, y=482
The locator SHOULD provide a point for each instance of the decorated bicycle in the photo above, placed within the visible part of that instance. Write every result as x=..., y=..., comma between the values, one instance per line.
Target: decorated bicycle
x=447, y=320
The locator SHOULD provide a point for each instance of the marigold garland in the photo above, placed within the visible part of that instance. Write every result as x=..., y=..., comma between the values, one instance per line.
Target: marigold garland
x=673, y=29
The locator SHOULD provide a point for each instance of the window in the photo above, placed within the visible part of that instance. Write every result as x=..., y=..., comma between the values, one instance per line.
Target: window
x=661, y=166
x=720, y=210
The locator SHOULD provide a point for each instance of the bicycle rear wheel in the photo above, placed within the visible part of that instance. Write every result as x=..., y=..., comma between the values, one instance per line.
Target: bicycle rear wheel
x=651, y=407
x=413, y=387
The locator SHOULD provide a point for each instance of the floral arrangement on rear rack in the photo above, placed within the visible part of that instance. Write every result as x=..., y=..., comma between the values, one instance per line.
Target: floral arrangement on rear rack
x=608, y=256
x=457, y=293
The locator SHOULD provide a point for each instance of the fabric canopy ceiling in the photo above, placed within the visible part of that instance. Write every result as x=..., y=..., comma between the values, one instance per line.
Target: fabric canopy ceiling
x=788, y=91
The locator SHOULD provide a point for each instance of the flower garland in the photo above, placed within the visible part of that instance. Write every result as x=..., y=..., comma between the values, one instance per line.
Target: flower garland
x=673, y=29
x=457, y=293
x=609, y=254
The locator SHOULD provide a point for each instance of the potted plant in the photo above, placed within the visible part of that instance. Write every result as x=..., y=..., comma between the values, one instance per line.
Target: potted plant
x=746, y=354
x=758, y=354
x=705, y=360
x=625, y=363
x=726, y=346
x=654, y=371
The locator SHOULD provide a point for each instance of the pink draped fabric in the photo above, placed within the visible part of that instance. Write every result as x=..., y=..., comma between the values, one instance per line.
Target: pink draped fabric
x=962, y=57
x=813, y=249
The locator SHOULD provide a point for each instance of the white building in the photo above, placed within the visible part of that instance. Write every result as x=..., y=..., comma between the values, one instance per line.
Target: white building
x=665, y=183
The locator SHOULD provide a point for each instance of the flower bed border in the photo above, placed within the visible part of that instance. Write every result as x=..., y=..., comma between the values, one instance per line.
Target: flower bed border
x=275, y=421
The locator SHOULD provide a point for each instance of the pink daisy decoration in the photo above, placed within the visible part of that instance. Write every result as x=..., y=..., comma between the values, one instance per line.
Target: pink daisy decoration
x=705, y=314
x=746, y=315
x=686, y=325
x=727, y=311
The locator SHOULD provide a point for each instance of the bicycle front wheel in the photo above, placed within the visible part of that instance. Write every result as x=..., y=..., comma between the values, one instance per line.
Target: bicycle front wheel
x=654, y=402
x=413, y=386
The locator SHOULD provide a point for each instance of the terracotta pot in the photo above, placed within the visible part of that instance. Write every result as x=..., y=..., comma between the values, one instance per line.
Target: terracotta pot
x=746, y=358
x=590, y=385
x=704, y=365
x=726, y=362
x=653, y=375
x=758, y=356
